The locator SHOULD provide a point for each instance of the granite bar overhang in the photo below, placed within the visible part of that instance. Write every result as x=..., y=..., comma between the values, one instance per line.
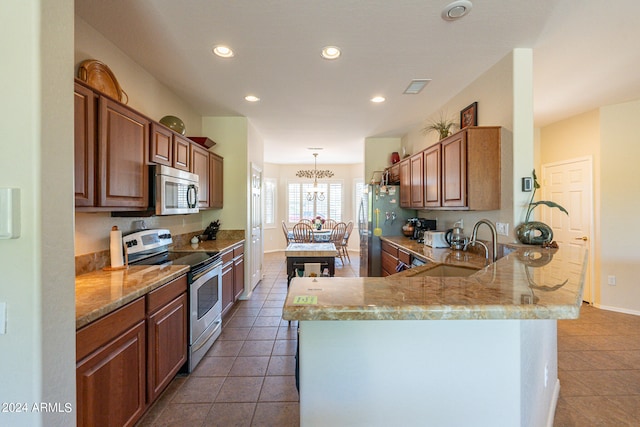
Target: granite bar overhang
x=529, y=283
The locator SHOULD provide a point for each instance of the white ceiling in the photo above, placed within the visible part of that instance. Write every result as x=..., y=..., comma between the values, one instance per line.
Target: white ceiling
x=585, y=56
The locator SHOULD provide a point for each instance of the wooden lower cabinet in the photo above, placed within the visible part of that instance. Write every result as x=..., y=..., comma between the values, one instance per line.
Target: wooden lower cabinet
x=238, y=271
x=227, y=287
x=388, y=258
x=167, y=335
x=125, y=359
x=110, y=374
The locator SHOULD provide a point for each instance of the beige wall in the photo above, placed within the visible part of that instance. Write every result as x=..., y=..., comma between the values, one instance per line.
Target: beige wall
x=348, y=174
x=504, y=99
x=37, y=352
x=231, y=136
x=619, y=205
x=608, y=135
x=146, y=94
x=150, y=97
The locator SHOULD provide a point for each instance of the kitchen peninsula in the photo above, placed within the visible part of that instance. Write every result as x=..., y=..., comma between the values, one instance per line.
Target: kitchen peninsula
x=426, y=350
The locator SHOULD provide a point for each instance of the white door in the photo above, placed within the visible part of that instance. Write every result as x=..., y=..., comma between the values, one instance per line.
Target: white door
x=255, y=265
x=570, y=184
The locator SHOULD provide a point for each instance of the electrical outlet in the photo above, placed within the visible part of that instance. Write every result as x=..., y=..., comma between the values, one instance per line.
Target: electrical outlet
x=502, y=228
x=546, y=375
x=611, y=280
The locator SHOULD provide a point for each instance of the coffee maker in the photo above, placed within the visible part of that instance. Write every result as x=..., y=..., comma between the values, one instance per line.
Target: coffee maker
x=421, y=225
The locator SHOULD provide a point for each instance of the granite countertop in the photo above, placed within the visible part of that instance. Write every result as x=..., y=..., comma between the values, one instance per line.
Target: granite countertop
x=207, y=245
x=100, y=292
x=529, y=283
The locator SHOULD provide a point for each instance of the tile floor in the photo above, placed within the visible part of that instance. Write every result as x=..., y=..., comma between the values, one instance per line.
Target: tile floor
x=247, y=378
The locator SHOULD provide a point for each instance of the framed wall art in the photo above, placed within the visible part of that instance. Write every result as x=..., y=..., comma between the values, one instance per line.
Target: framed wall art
x=469, y=116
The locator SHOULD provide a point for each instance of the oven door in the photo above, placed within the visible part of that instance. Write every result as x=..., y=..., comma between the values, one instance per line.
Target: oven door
x=205, y=295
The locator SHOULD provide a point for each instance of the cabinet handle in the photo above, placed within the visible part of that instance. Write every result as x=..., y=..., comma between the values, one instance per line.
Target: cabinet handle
x=583, y=238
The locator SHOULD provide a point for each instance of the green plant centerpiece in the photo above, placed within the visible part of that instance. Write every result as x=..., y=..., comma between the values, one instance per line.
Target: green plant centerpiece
x=443, y=125
x=536, y=232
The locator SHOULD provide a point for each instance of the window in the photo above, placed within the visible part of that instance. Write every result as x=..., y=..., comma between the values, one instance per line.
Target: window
x=299, y=207
x=269, y=197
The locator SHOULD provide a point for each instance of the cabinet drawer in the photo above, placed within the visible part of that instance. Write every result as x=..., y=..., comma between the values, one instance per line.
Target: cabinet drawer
x=100, y=332
x=166, y=293
x=227, y=256
x=388, y=247
x=238, y=250
x=404, y=256
x=389, y=262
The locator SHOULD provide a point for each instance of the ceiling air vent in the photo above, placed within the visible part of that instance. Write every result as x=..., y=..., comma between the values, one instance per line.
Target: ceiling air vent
x=416, y=86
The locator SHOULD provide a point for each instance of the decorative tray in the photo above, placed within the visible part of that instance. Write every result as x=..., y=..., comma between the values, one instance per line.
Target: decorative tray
x=98, y=75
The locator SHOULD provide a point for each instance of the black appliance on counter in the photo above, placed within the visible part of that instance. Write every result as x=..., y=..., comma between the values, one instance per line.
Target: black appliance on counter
x=420, y=226
x=204, y=285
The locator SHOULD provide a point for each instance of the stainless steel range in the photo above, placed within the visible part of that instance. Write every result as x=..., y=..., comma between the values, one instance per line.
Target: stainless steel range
x=151, y=247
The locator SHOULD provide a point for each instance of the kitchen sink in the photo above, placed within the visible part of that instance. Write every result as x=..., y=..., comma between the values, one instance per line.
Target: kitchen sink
x=443, y=270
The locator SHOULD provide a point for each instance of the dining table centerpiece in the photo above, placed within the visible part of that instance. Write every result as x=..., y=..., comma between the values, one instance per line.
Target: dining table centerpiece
x=318, y=222
x=536, y=232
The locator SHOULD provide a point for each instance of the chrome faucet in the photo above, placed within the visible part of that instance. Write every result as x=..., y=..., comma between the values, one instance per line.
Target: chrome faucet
x=494, y=239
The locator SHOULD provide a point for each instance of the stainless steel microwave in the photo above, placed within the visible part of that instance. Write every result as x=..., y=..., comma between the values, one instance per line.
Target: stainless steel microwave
x=175, y=192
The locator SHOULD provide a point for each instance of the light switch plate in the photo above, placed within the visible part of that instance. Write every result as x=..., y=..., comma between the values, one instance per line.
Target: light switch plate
x=502, y=228
x=3, y=318
x=9, y=213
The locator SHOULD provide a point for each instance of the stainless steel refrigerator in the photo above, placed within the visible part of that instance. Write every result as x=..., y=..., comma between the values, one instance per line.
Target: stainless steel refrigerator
x=390, y=219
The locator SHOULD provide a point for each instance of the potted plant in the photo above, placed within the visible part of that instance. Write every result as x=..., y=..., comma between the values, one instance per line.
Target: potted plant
x=442, y=125
x=536, y=232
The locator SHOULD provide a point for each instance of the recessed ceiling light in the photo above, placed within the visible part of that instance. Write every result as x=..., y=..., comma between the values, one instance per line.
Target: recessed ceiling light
x=416, y=86
x=456, y=10
x=330, y=52
x=378, y=99
x=252, y=98
x=223, y=51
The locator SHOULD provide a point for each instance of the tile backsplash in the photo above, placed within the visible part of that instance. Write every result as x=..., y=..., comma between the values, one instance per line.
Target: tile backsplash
x=98, y=260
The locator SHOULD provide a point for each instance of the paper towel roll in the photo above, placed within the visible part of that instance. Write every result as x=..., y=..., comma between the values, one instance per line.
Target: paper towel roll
x=115, y=247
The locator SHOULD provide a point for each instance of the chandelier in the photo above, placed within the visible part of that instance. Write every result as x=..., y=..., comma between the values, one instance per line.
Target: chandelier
x=315, y=192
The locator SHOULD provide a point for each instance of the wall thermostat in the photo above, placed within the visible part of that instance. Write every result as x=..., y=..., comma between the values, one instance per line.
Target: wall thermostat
x=527, y=183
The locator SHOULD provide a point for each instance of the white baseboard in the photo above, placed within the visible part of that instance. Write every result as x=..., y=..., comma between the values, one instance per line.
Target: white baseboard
x=554, y=402
x=617, y=309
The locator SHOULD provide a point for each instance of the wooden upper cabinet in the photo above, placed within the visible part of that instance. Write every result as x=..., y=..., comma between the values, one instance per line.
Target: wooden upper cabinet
x=84, y=145
x=200, y=166
x=405, y=183
x=432, y=182
x=168, y=148
x=161, y=147
x=122, y=156
x=454, y=171
x=182, y=157
x=417, y=183
x=216, y=170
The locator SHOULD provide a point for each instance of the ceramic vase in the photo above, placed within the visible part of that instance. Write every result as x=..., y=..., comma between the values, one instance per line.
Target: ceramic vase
x=534, y=233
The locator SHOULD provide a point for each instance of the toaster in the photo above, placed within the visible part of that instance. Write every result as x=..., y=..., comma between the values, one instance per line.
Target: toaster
x=435, y=239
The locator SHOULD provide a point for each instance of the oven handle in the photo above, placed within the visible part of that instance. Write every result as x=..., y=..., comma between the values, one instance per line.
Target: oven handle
x=208, y=273
x=204, y=341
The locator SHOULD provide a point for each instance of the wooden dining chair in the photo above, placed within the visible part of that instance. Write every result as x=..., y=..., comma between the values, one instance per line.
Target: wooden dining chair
x=329, y=224
x=285, y=230
x=344, y=245
x=337, y=235
x=306, y=221
x=302, y=233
